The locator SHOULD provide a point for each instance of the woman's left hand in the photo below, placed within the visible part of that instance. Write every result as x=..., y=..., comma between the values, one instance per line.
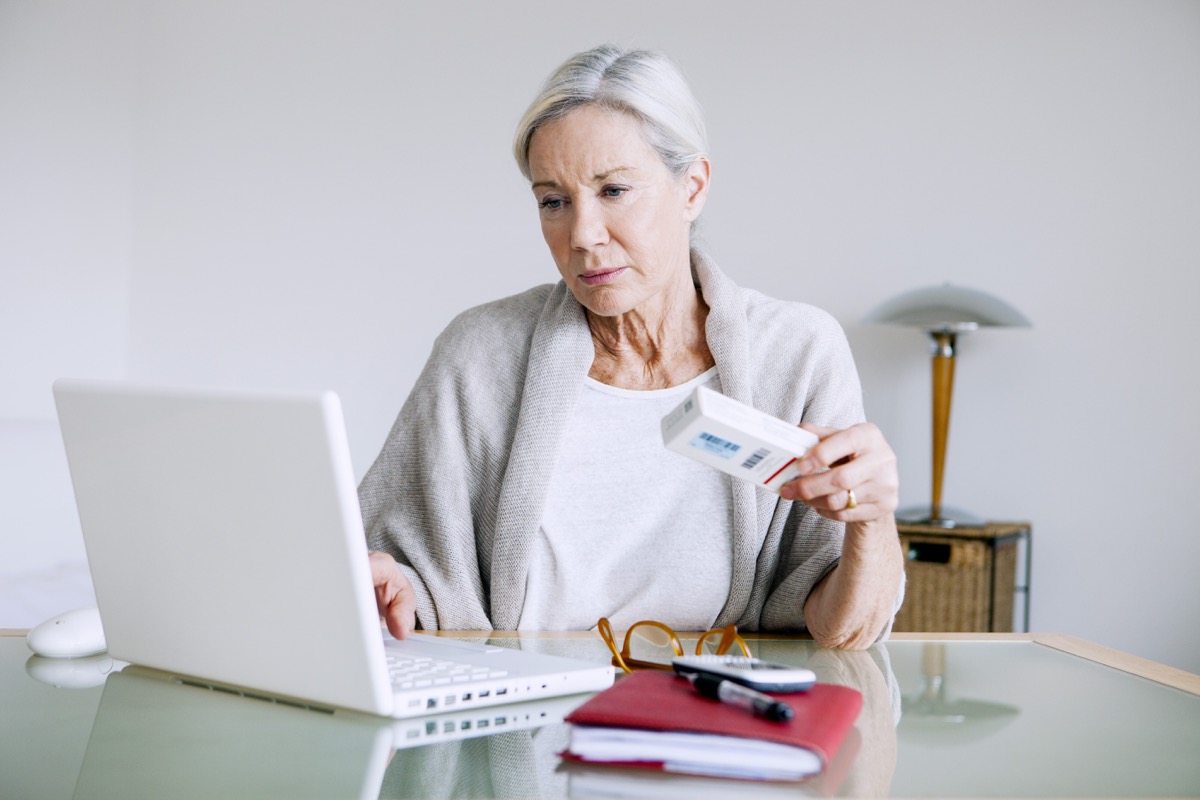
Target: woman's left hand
x=849, y=475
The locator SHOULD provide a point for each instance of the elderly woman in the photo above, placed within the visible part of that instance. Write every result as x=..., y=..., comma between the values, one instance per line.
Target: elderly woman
x=525, y=484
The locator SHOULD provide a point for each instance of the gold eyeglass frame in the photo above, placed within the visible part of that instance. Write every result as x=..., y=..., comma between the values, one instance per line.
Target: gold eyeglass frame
x=622, y=658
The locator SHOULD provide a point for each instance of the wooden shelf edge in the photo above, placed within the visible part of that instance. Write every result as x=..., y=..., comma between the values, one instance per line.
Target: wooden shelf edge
x=1126, y=662
x=958, y=636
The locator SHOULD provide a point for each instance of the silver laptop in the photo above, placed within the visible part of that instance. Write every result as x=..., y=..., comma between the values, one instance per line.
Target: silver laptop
x=226, y=547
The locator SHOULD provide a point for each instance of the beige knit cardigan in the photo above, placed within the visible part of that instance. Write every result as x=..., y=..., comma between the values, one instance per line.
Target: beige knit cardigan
x=457, y=492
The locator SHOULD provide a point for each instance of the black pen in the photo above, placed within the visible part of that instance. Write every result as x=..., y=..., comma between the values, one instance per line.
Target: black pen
x=737, y=695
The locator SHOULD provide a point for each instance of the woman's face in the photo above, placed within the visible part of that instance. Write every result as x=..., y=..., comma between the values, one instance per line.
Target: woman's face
x=616, y=221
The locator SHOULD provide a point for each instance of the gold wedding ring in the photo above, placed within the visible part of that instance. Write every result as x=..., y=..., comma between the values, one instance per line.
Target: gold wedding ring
x=851, y=500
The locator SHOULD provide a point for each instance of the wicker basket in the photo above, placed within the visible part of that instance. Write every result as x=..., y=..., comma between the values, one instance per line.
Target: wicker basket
x=957, y=583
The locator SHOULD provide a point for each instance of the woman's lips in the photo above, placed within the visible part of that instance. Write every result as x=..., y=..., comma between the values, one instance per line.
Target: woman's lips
x=599, y=277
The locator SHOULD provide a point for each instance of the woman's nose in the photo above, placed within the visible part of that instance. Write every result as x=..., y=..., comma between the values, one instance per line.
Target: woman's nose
x=589, y=229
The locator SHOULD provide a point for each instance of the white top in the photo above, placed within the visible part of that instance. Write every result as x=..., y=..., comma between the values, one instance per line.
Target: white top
x=649, y=539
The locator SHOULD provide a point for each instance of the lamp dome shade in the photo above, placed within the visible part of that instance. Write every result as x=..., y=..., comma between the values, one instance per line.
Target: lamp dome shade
x=948, y=308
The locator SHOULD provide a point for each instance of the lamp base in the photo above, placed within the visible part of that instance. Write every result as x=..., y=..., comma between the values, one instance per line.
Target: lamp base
x=949, y=518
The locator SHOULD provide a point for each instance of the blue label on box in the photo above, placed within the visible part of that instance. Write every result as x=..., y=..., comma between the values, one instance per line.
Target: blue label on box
x=715, y=445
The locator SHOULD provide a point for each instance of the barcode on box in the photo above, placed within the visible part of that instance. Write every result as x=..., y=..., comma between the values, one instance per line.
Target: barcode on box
x=755, y=457
x=715, y=445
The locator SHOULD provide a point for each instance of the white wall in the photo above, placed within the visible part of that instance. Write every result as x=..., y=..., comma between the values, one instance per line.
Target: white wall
x=67, y=126
x=301, y=194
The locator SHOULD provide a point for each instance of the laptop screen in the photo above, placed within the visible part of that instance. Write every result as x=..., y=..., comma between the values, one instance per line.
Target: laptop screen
x=224, y=537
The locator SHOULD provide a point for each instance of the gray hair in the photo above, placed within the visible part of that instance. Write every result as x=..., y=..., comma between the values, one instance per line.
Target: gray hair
x=643, y=83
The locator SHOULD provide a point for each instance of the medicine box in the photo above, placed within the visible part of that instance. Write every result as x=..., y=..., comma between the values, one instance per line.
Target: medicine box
x=736, y=438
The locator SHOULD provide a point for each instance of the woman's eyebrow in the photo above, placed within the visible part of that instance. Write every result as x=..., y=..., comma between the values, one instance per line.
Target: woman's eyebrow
x=603, y=176
x=597, y=178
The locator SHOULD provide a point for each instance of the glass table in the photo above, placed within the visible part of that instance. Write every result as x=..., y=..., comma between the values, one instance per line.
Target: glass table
x=1011, y=715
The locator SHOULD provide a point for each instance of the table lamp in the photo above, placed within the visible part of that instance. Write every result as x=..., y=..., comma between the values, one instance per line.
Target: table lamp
x=944, y=312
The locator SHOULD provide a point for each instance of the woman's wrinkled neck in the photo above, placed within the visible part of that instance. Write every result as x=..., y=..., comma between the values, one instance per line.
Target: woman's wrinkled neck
x=652, y=348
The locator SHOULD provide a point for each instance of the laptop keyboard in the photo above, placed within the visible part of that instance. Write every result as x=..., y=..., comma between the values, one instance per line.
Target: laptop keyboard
x=416, y=672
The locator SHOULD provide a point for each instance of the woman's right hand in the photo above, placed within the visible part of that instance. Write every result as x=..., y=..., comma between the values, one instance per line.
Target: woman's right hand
x=394, y=594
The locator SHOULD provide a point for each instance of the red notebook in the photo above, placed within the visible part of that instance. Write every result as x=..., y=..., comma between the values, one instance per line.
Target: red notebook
x=657, y=720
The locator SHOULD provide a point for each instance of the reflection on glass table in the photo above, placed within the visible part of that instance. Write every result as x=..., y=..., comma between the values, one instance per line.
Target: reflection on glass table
x=1020, y=719
x=935, y=716
x=154, y=737
x=1000, y=716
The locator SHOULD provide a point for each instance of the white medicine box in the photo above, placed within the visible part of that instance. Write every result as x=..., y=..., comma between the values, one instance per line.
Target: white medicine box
x=736, y=438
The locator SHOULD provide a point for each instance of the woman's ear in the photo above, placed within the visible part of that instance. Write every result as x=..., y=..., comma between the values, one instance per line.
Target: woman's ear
x=696, y=182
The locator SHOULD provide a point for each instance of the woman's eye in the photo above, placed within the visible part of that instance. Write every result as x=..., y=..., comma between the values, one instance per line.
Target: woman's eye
x=614, y=191
x=551, y=203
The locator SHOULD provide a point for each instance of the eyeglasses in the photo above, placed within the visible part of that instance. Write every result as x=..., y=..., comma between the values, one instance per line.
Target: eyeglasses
x=659, y=635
